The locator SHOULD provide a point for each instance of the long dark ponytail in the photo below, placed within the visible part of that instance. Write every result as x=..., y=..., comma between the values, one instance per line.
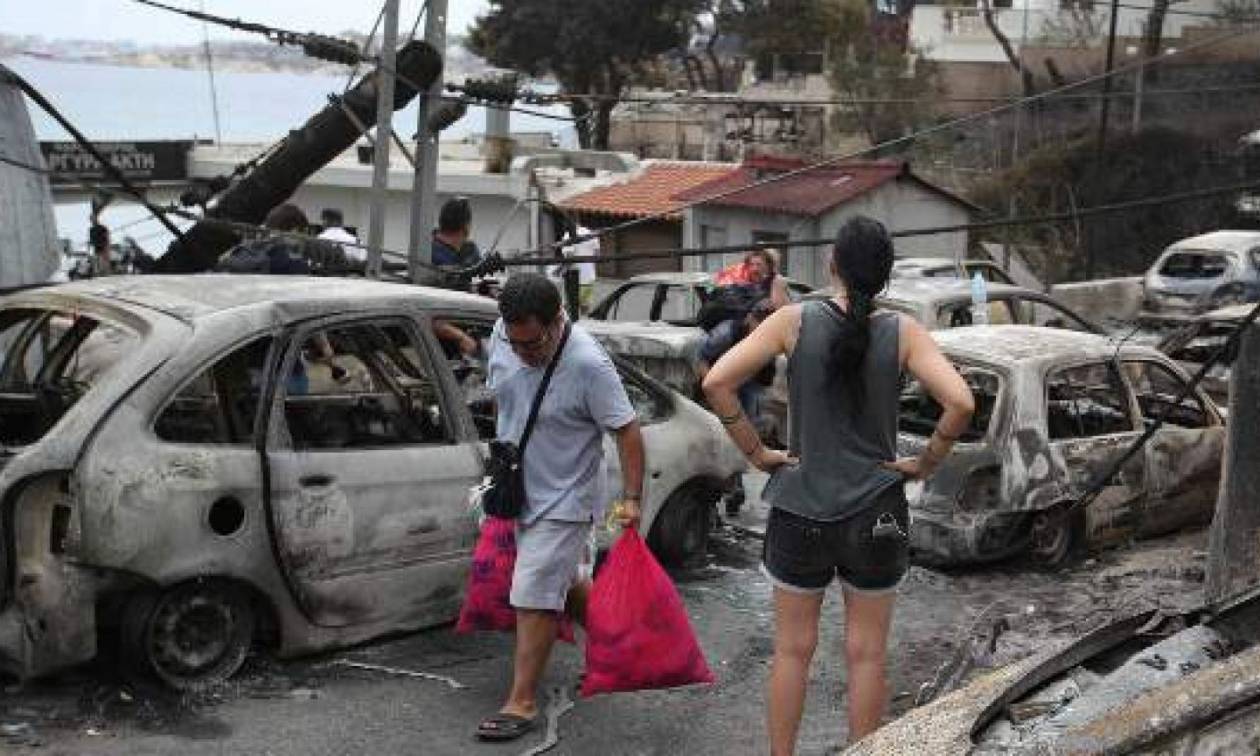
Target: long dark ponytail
x=863, y=259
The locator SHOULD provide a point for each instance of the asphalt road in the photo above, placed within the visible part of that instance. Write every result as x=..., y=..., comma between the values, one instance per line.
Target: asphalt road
x=323, y=705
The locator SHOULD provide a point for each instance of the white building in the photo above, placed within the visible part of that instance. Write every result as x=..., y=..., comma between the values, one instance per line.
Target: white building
x=505, y=216
x=958, y=34
x=813, y=205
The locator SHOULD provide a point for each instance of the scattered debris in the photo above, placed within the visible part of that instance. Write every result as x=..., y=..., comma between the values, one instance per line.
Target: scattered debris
x=1154, y=661
x=455, y=684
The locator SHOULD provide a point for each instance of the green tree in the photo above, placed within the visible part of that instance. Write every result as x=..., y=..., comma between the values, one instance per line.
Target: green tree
x=588, y=46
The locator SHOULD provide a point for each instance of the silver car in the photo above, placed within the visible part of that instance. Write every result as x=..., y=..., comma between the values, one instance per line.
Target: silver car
x=1054, y=410
x=203, y=462
x=1202, y=273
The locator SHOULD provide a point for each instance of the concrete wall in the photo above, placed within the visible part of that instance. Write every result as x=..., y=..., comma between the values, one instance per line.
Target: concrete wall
x=490, y=213
x=1107, y=299
x=902, y=204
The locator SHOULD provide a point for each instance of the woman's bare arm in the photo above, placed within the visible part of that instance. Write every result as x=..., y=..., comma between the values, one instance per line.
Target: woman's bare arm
x=773, y=337
x=923, y=359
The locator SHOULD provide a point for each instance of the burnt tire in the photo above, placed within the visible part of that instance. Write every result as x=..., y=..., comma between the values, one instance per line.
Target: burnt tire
x=680, y=532
x=1056, y=536
x=190, y=636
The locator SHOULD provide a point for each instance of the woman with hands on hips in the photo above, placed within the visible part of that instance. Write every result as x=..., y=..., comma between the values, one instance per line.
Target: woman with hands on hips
x=839, y=510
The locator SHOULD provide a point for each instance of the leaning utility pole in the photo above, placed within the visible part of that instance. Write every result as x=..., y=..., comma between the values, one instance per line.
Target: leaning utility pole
x=1103, y=112
x=424, y=184
x=384, y=127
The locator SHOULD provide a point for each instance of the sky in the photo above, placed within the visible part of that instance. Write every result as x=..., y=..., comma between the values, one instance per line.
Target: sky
x=119, y=20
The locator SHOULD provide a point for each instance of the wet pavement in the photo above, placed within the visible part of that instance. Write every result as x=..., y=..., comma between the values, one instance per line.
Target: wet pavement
x=364, y=699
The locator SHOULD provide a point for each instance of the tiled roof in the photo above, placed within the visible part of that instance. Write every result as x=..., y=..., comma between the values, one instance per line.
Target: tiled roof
x=651, y=192
x=810, y=193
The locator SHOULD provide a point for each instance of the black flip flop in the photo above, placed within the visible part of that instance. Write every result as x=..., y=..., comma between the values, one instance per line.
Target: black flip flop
x=504, y=727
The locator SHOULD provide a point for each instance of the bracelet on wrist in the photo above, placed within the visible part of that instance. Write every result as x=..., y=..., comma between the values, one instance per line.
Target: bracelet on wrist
x=625, y=496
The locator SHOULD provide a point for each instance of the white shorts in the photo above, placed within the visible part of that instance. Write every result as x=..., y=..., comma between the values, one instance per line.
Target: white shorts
x=551, y=555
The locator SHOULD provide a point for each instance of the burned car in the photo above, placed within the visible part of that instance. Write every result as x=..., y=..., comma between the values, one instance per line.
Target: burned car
x=196, y=463
x=1202, y=273
x=1054, y=410
x=674, y=298
x=946, y=303
x=1148, y=683
x=1194, y=344
x=944, y=267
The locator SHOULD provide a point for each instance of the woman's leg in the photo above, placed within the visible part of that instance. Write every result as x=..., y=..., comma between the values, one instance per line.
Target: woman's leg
x=795, y=637
x=867, y=619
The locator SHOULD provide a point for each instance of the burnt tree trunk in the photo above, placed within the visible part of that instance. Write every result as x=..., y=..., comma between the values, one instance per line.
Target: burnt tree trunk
x=1234, y=541
x=1026, y=77
x=323, y=137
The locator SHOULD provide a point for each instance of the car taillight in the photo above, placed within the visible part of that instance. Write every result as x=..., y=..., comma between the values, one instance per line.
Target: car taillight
x=982, y=489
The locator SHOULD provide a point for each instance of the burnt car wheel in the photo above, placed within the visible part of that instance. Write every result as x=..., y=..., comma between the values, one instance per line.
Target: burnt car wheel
x=191, y=636
x=1056, y=536
x=680, y=532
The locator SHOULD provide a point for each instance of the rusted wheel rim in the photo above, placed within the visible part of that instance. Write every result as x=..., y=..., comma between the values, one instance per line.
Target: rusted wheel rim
x=193, y=633
x=1050, y=536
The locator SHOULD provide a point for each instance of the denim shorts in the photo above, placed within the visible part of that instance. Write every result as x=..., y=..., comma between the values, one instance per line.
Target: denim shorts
x=805, y=555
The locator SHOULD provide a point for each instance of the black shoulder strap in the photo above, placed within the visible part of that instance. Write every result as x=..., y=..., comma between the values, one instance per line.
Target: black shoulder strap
x=542, y=390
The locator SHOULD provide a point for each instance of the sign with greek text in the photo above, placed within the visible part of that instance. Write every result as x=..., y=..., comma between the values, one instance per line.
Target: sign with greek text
x=141, y=162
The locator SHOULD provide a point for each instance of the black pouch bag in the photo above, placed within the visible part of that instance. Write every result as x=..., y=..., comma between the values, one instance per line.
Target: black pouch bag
x=505, y=495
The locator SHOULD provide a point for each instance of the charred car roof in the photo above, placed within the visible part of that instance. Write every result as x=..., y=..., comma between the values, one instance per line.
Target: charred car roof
x=197, y=297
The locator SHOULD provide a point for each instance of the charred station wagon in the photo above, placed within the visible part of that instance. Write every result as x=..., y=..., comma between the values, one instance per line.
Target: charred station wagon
x=201, y=462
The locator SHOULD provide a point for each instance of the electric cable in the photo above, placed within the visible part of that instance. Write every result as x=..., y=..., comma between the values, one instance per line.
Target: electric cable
x=108, y=168
x=907, y=138
x=523, y=257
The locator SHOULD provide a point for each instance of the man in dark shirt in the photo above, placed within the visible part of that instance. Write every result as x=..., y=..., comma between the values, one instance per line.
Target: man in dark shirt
x=718, y=342
x=727, y=334
x=452, y=246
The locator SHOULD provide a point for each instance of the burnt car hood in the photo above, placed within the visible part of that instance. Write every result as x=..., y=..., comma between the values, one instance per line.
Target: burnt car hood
x=646, y=339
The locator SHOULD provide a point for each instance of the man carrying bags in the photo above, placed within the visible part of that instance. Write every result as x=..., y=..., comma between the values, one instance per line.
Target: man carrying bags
x=561, y=459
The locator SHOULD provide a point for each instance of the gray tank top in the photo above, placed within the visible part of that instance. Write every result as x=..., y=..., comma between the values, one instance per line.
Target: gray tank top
x=841, y=454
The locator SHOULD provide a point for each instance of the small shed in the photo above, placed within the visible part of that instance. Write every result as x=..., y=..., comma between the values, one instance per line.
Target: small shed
x=649, y=194
x=740, y=207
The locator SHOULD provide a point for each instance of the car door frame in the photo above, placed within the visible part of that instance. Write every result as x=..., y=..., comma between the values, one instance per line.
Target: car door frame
x=1022, y=297
x=1107, y=521
x=439, y=604
x=1166, y=496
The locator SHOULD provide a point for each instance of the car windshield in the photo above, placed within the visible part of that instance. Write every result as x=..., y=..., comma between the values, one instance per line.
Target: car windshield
x=1195, y=265
x=48, y=361
x=919, y=412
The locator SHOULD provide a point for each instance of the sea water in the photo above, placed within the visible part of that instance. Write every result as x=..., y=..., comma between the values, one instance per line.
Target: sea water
x=111, y=103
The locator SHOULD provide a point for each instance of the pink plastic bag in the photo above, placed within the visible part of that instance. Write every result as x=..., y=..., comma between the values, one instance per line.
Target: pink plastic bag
x=638, y=636
x=487, y=604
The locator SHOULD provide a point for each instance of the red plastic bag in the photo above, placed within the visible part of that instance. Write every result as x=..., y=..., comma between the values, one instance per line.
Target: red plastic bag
x=487, y=604
x=638, y=636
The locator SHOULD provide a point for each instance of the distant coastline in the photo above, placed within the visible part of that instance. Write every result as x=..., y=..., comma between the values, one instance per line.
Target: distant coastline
x=239, y=57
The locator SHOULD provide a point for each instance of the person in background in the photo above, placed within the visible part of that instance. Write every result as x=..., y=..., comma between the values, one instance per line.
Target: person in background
x=98, y=239
x=718, y=342
x=727, y=334
x=280, y=254
x=839, y=510
x=586, y=269
x=452, y=241
x=335, y=232
x=563, y=471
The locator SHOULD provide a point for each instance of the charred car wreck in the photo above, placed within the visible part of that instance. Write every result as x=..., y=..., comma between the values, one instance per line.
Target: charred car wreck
x=1054, y=410
x=202, y=462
